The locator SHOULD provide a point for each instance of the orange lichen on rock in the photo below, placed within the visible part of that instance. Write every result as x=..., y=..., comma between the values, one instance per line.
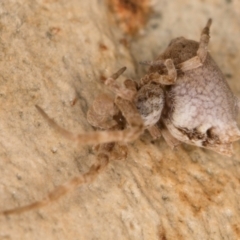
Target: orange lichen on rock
x=132, y=15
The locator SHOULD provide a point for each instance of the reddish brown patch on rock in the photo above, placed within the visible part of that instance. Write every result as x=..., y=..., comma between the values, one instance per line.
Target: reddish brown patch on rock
x=236, y=229
x=162, y=233
x=103, y=47
x=196, y=188
x=102, y=78
x=132, y=15
x=55, y=30
x=124, y=42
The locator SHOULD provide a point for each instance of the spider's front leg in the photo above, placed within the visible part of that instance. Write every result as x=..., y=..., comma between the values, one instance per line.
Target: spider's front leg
x=202, y=51
x=164, y=79
x=127, y=92
x=192, y=63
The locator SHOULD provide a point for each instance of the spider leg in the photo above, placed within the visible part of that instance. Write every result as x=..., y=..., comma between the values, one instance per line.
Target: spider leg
x=60, y=191
x=204, y=40
x=168, y=79
x=105, y=152
x=154, y=131
x=120, y=152
x=169, y=139
x=98, y=137
x=132, y=87
x=202, y=51
x=133, y=118
x=190, y=64
x=127, y=93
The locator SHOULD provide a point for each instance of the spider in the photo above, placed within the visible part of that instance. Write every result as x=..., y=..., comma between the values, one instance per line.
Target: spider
x=156, y=103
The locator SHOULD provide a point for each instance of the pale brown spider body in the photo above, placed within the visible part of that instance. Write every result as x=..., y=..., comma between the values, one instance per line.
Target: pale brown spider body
x=184, y=97
x=200, y=108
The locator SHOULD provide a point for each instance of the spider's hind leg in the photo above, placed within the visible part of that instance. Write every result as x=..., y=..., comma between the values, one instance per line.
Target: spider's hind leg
x=103, y=157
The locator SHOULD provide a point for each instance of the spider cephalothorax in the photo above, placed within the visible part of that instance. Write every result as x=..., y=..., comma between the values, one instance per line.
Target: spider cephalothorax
x=184, y=97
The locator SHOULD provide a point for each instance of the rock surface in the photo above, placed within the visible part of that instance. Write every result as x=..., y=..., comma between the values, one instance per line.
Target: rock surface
x=52, y=52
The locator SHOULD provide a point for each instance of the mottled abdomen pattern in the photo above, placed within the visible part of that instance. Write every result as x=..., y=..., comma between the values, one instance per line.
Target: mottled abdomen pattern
x=200, y=108
x=204, y=109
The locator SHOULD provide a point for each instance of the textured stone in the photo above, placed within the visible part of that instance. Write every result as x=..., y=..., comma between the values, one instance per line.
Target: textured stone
x=54, y=51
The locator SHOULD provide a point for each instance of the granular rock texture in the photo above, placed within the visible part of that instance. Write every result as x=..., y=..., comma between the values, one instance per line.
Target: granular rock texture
x=55, y=54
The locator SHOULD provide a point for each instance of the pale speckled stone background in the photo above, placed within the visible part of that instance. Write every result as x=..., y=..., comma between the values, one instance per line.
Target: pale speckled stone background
x=51, y=52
